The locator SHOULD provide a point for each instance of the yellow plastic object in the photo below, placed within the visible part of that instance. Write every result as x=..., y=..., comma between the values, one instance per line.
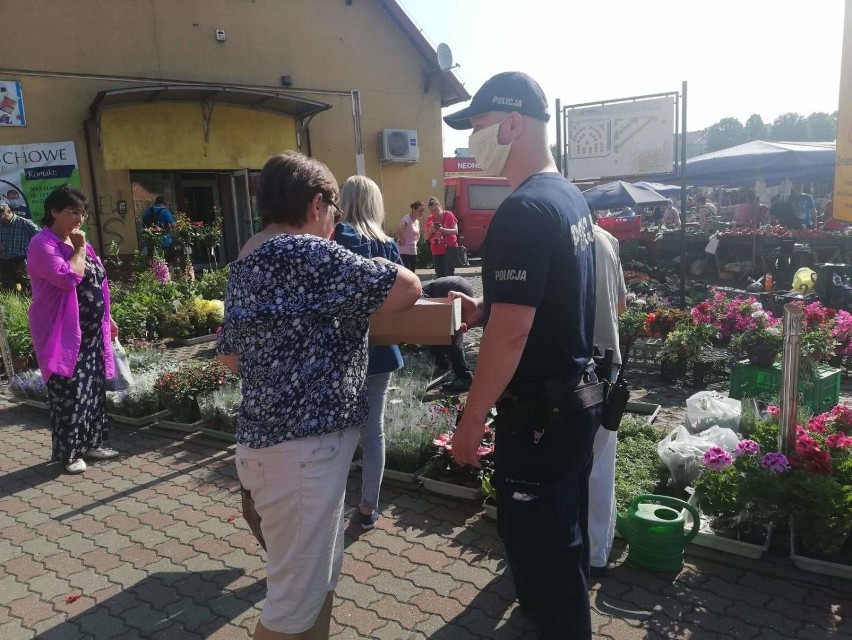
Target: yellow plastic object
x=804, y=280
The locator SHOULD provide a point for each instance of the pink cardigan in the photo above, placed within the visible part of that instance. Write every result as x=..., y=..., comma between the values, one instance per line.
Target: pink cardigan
x=55, y=314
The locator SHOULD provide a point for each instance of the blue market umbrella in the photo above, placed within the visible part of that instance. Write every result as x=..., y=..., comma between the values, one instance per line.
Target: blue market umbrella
x=662, y=189
x=619, y=194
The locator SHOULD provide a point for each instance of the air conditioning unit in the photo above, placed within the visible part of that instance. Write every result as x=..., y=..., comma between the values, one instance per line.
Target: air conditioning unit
x=399, y=145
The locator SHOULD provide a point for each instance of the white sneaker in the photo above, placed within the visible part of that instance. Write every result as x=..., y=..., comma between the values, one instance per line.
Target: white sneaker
x=78, y=466
x=102, y=453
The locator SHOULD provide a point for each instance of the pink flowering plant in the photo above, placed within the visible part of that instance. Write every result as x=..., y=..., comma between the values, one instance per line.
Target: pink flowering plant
x=819, y=489
x=739, y=491
x=443, y=467
x=731, y=316
x=815, y=480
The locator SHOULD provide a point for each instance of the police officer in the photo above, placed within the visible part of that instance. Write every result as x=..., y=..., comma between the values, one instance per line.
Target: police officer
x=538, y=309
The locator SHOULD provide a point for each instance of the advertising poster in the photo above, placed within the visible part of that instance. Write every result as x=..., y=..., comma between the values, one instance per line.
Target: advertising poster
x=620, y=139
x=843, y=171
x=29, y=172
x=11, y=104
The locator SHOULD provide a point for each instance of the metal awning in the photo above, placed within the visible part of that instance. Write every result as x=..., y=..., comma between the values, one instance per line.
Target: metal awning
x=207, y=96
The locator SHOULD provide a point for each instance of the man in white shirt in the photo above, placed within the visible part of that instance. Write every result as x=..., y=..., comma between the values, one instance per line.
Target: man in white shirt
x=610, y=302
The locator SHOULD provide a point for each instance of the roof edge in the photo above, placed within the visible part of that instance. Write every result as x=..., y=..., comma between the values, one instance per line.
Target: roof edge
x=452, y=89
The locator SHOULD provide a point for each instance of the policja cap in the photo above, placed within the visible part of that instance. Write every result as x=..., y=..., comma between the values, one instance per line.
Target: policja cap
x=508, y=91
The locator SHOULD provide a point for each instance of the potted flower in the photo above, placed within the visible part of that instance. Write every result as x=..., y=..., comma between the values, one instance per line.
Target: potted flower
x=684, y=346
x=630, y=324
x=663, y=321
x=762, y=345
x=30, y=388
x=15, y=308
x=139, y=405
x=740, y=495
x=179, y=390
x=819, y=492
x=445, y=477
x=219, y=411
x=408, y=451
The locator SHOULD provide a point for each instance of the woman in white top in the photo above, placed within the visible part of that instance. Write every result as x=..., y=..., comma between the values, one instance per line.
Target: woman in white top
x=408, y=233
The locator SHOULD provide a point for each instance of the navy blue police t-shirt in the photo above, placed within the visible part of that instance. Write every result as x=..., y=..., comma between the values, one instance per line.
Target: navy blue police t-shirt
x=539, y=252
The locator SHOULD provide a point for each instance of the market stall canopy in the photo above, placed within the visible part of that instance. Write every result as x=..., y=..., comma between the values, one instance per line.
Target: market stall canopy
x=772, y=162
x=659, y=187
x=619, y=194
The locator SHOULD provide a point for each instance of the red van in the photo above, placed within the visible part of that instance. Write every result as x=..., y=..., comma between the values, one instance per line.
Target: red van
x=474, y=201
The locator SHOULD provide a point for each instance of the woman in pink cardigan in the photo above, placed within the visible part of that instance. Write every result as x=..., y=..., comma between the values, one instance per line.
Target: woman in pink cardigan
x=72, y=329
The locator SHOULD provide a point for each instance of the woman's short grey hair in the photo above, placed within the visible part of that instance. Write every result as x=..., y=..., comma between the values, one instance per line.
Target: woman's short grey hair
x=4, y=208
x=363, y=207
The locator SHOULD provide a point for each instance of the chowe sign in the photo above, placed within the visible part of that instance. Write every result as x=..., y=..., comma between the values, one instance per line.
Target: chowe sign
x=461, y=167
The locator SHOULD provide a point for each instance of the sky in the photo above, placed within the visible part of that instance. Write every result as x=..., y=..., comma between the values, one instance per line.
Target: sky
x=738, y=57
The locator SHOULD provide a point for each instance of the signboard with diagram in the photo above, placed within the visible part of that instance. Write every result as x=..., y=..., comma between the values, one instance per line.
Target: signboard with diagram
x=615, y=139
x=12, y=104
x=29, y=172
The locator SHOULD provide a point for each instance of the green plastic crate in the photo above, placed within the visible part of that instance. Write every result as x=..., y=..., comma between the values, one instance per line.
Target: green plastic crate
x=819, y=394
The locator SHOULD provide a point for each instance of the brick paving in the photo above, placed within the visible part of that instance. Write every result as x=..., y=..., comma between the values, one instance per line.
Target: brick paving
x=152, y=546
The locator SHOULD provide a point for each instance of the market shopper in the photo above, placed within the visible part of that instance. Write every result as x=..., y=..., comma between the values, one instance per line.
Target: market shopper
x=610, y=302
x=159, y=215
x=804, y=205
x=72, y=330
x=15, y=235
x=296, y=319
x=535, y=356
x=671, y=216
x=361, y=232
x=442, y=231
x=408, y=233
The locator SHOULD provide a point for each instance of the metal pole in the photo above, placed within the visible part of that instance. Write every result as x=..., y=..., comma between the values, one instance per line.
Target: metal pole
x=793, y=316
x=559, y=150
x=683, y=130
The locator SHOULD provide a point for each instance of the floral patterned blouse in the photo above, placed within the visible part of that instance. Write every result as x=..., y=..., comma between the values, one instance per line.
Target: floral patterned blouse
x=296, y=312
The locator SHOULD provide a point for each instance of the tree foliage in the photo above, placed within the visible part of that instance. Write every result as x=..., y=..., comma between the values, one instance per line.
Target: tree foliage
x=728, y=132
x=755, y=128
x=822, y=127
x=788, y=127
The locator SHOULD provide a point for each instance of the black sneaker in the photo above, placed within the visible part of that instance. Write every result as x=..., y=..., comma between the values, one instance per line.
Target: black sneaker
x=459, y=385
x=368, y=521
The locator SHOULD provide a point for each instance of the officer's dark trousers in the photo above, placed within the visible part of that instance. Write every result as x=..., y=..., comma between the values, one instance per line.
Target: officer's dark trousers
x=546, y=538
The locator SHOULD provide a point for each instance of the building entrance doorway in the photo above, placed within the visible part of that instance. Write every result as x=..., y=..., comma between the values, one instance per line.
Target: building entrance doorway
x=204, y=196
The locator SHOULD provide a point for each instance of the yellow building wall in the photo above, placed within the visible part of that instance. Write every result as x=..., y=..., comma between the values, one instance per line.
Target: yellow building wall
x=170, y=136
x=327, y=47
x=843, y=171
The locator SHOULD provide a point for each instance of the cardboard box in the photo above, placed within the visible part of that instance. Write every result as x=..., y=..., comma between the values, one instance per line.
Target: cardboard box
x=431, y=321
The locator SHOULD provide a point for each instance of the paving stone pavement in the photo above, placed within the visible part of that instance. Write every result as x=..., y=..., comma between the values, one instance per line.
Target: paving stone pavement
x=152, y=546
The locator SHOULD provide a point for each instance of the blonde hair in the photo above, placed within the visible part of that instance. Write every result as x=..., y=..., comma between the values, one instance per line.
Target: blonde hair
x=363, y=207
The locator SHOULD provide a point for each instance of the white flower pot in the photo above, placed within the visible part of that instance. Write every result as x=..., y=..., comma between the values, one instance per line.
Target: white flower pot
x=219, y=435
x=814, y=565
x=401, y=477
x=188, y=342
x=142, y=421
x=182, y=427
x=490, y=511
x=449, y=489
x=707, y=538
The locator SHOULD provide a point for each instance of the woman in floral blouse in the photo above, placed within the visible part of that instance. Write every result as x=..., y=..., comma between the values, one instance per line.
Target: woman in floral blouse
x=296, y=319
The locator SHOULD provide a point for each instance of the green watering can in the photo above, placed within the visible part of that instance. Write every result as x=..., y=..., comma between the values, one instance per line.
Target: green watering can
x=654, y=528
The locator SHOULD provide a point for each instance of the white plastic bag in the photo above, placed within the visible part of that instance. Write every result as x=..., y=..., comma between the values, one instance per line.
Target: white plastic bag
x=683, y=452
x=123, y=377
x=706, y=409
